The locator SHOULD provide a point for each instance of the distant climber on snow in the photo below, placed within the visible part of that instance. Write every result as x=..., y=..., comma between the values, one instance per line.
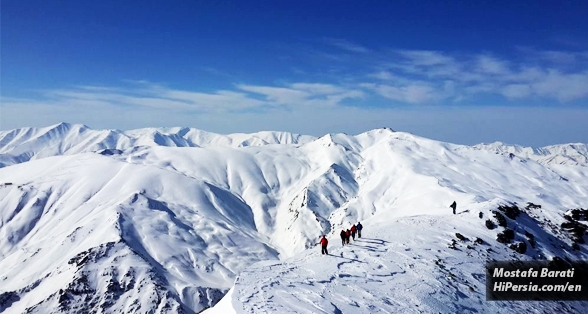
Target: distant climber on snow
x=347, y=235
x=324, y=243
x=359, y=227
x=454, y=206
x=343, y=235
x=353, y=230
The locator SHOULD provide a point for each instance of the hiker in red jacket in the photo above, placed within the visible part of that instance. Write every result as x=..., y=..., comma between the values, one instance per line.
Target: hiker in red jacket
x=324, y=243
x=347, y=235
x=343, y=235
x=353, y=230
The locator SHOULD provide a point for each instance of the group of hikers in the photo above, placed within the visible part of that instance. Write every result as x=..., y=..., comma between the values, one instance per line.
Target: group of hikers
x=345, y=235
x=356, y=229
x=350, y=233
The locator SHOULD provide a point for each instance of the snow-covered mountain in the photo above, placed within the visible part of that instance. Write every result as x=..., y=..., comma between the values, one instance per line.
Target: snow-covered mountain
x=566, y=154
x=168, y=220
x=20, y=145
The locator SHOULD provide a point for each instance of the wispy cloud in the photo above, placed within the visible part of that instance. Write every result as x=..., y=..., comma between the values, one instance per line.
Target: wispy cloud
x=562, y=57
x=346, y=45
x=417, y=76
x=218, y=73
x=378, y=83
x=304, y=94
x=554, y=84
x=493, y=66
x=417, y=93
x=425, y=57
x=145, y=95
x=152, y=96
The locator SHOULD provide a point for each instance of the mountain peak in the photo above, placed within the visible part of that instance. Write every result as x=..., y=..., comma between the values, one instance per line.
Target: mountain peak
x=61, y=126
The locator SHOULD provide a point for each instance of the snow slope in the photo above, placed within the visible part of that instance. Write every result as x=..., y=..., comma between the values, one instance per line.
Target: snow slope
x=396, y=267
x=144, y=225
x=162, y=228
x=404, y=263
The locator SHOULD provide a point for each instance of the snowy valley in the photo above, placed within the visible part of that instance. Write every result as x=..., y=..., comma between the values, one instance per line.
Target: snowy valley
x=171, y=220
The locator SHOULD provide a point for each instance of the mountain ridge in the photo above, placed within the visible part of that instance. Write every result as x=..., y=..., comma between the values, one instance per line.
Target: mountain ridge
x=20, y=145
x=190, y=222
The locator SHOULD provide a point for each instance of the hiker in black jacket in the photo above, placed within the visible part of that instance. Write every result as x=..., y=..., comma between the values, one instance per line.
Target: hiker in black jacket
x=359, y=227
x=343, y=235
x=454, y=206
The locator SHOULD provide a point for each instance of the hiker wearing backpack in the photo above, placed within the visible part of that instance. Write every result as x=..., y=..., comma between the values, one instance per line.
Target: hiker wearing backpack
x=359, y=227
x=353, y=231
x=343, y=235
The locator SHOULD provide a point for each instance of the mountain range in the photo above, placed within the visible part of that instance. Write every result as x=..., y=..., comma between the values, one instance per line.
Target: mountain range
x=172, y=220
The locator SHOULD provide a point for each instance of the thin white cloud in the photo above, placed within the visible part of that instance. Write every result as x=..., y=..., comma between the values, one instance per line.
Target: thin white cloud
x=218, y=101
x=147, y=96
x=553, y=84
x=482, y=88
x=417, y=76
x=346, y=45
x=218, y=73
x=304, y=94
x=427, y=64
x=154, y=96
x=278, y=95
x=317, y=88
x=514, y=91
x=525, y=74
x=386, y=75
x=564, y=87
x=426, y=57
x=413, y=94
x=558, y=56
x=554, y=57
x=490, y=65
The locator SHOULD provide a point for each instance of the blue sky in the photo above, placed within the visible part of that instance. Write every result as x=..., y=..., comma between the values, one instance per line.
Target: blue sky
x=457, y=71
